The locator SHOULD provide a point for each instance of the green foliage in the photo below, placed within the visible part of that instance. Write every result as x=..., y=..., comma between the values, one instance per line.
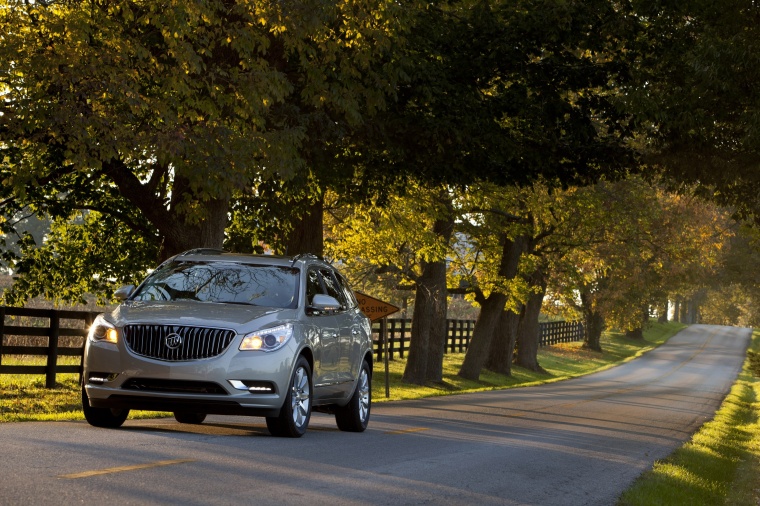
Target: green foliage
x=382, y=247
x=511, y=92
x=164, y=114
x=91, y=254
x=695, y=96
x=641, y=244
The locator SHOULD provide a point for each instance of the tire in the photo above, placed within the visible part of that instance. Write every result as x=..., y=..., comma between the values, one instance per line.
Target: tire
x=102, y=417
x=354, y=416
x=192, y=418
x=295, y=413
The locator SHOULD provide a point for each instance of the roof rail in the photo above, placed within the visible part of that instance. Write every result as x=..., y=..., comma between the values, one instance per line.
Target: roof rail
x=203, y=251
x=303, y=255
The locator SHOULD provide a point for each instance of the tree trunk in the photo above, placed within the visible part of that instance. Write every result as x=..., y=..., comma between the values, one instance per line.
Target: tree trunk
x=663, y=316
x=528, y=328
x=593, y=321
x=416, y=364
x=207, y=233
x=692, y=315
x=307, y=235
x=482, y=334
x=439, y=325
x=503, y=344
x=425, y=359
x=429, y=330
x=685, y=305
x=638, y=332
x=180, y=229
x=677, y=309
x=490, y=311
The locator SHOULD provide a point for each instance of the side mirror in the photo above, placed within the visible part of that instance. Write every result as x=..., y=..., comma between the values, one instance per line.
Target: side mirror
x=324, y=303
x=124, y=292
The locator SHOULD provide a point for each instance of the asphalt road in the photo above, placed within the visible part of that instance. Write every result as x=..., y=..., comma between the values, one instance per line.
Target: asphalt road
x=576, y=442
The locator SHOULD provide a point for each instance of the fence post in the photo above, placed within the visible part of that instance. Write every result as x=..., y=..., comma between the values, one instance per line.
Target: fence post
x=390, y=332
x=380, y=343
x=52, y=358
x=2, y=331
x=384, y=337
x=402, y=334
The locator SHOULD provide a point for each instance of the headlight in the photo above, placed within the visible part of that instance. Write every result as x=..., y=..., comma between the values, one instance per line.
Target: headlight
x=267, y=339
x=101, y=330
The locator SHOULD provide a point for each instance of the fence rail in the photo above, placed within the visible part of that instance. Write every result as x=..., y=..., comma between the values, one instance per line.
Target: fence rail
x=399, y=331
x=51, y=349
x=459, y=333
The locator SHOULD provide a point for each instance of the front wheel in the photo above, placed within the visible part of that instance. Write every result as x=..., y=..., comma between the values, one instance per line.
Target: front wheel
x=102, y=417
x=294, y=416
x=354, y=416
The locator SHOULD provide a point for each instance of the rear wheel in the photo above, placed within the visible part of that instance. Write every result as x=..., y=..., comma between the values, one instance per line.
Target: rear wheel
x=354, y=416
x=102, y=417
x=294, y=416
x=193, y=418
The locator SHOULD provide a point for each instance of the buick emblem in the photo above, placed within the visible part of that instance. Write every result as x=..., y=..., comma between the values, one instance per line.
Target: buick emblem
x=173, y=341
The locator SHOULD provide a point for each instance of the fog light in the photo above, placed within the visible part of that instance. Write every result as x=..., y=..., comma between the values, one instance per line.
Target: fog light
x=98, y=378
x=254, y=387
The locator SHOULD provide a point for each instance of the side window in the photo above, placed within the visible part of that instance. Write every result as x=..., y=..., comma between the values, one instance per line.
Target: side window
x=333, y=287
x=350, y=297
x=313, y=285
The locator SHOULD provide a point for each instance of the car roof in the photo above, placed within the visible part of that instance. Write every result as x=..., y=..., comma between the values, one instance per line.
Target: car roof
x=217, y=255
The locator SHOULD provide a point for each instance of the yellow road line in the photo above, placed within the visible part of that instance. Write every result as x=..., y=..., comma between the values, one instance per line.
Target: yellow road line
x=120, y=469
x=406, y=431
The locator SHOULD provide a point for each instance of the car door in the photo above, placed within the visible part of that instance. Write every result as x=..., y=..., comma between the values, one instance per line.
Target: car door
x=361, y=330
x=347, y=370
x=327, y=346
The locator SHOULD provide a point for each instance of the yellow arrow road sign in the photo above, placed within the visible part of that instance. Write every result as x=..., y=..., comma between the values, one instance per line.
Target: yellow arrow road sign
x=373, y=308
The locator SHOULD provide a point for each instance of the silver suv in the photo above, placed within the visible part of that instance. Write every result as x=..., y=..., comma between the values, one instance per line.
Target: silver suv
x=215, y=332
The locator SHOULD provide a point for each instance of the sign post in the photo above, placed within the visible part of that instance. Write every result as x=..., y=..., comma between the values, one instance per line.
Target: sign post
x=378, y=310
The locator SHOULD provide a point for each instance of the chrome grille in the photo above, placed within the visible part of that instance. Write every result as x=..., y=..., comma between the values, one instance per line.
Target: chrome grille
x=196, y=342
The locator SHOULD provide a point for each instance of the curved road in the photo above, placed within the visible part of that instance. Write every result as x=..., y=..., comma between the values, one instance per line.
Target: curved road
x=576, y=442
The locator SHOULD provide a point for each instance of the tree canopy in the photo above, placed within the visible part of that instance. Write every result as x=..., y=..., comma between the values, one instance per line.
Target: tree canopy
x=170, y=109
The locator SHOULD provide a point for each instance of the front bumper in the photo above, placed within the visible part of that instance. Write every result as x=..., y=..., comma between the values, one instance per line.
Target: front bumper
x=115, y=377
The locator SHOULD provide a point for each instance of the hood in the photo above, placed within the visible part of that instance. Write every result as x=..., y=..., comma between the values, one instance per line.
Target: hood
x=199, y=314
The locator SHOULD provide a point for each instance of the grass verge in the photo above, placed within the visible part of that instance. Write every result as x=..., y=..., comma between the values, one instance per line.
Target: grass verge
x=721, y=463
x=24, y=398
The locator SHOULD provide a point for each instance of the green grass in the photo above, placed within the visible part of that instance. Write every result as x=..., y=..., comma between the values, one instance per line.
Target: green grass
x=25, y=398
x=721, y=463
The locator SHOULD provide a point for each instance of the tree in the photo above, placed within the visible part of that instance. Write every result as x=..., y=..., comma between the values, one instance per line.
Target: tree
x=406, y=241
x=91, y=241
x=652, y=242
x=695, y=97
x=515, y=91
x=173, y=110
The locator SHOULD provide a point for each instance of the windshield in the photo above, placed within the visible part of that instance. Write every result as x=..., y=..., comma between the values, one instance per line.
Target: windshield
x=231, y=283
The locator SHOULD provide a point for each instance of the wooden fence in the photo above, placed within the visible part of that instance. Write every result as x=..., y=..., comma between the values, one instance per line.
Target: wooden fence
x=460, y=332
x=560, y=332
x=48, y=334
x=398, y=331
